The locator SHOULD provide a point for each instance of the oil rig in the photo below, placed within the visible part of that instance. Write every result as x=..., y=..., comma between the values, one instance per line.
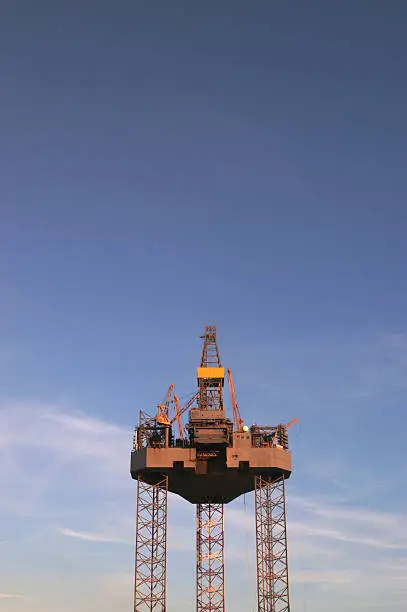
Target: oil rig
x=210, y=461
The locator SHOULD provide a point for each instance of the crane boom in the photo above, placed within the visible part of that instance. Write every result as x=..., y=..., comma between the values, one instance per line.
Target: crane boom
x=238, y=421
x=291, y=423
x=178, y=417
x=163, y=412
x=281, y=430
x=184, y=408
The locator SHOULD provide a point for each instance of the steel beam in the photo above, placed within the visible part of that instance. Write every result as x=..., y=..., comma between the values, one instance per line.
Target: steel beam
x=271, y=545
x=151, y=547
x=210, y=578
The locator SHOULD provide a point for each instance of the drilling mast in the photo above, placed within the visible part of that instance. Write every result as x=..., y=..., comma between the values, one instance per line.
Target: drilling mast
x=217, y=461
x=210, y=589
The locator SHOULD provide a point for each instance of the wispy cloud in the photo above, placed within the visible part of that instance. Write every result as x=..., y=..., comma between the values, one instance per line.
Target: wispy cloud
x=351, y=524
x=301, y=529
x=91, y=537
x=355, y=554
x=322, y=521
x=11, y=596
x=67, y=436
x=79, y=480
x=322, y=577
x=57, y=444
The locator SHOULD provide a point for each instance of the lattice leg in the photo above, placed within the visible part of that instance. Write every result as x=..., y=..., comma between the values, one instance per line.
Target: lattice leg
x=210, y=585
x=151, y=547
x=271, y=544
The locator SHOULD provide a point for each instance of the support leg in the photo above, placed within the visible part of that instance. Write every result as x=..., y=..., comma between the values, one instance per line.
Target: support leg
x=151, y=547
x=271, y=544
x=210, y=584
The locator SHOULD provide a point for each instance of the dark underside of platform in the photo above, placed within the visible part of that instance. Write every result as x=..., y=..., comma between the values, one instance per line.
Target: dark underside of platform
x=222, y=487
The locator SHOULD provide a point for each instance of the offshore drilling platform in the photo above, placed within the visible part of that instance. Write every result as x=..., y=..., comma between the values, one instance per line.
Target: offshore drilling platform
x=209, y=462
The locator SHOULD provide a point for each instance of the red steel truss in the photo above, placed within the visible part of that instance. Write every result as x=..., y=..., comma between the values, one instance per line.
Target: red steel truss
x=151, y=547
x=210, y=586
x=271, y=544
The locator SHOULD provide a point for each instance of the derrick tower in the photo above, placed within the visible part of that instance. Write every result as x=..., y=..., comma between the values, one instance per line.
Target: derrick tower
x=212, y=461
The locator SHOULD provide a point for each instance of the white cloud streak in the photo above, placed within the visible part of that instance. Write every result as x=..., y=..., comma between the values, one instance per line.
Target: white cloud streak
x=90, y=537
x=321, y=521
x=322, y=577
x=57, y=446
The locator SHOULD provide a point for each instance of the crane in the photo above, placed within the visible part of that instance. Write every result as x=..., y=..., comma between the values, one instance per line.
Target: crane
x=291, y=423
x=238, y=421
x=281, y=433
x=180, y=411
x=163, y=410
x=178, y=417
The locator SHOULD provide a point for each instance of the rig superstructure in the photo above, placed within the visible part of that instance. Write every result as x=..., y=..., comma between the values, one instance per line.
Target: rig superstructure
x=209, y=462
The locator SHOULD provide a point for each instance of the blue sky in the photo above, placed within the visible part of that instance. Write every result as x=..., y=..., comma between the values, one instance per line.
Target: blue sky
x=170, y=164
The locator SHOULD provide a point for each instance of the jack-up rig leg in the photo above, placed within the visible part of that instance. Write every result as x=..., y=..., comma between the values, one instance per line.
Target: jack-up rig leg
x=271, y=545
x=210, y=579
x=151, y=547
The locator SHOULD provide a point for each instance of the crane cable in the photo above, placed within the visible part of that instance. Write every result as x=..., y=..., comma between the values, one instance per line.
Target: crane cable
x=248, y=555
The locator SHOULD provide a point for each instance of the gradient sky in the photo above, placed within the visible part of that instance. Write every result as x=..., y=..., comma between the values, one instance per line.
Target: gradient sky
x=167, y=164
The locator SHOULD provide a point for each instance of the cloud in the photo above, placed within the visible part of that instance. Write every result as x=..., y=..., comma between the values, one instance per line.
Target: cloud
x=356, y=525
x=65, y=436
x=355, y=554
x=322, y=577
x=322, y=521
x=11, y=596
x=63, y=449
x=66, y=473
x=301, y=529
x=90, y=537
